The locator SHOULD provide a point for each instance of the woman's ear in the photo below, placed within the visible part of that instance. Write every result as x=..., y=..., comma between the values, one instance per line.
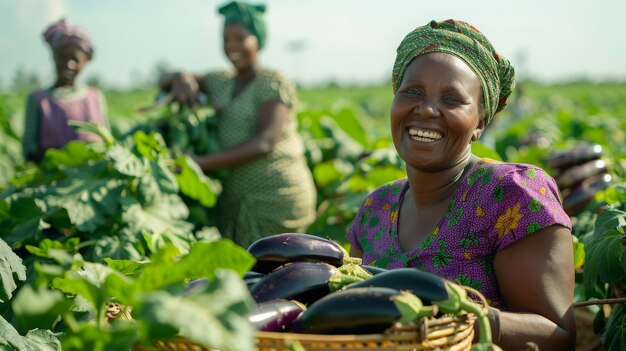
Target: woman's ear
x=478, y=131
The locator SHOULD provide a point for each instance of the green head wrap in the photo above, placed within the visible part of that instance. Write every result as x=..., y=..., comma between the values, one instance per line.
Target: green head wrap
x=497, y=76
x=249, y=16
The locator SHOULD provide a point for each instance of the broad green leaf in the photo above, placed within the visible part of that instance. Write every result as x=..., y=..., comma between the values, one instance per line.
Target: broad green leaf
x=11, y=268
x=579, y=253
x=203, y=260
x=73, y=154
x=120, y=336
x=481, y=150
x=39, y=308
x=126, y=162
x=129, y=268
x=221, y=309
x=603, y=259
x=22, y=220
x=163, y=221
x=88, y=199
x=352, y=124
x=194, y=184
x=346, y=147
x=610, y=219
x=35, y=340
x=331, y=172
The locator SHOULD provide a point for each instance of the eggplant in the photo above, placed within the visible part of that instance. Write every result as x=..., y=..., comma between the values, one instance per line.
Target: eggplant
x=251, y=278
x=576, y=174
x=275, y=315
x=354, y=311
x=427, y=286
x=275, y=250
x=576, y=199
x=305, y=281
x=576, y=155
x=373, y=269
x=197, y=284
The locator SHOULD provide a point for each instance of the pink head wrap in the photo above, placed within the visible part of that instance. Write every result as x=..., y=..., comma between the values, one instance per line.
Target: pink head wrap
x=61, y=33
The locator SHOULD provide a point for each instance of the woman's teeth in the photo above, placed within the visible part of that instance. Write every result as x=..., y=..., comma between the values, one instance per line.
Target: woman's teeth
x=424, y=135
x=235, y=55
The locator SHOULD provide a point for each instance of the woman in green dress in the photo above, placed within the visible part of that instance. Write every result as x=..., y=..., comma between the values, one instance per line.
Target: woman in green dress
x=270, y=188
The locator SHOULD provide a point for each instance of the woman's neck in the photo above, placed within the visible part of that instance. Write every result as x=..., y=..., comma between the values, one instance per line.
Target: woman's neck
x=430, y=188
x=246, y=75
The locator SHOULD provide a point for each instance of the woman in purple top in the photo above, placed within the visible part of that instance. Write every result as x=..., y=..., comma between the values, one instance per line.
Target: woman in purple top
x=497, y=227
x=49, y=110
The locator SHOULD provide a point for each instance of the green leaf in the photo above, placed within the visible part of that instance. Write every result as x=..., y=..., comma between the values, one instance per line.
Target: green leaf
x=481, y=150
x=220, y=309
x=579, y=253
x=73, y=154
x=160, y=222
x=11, y=268
x=352, y=124
x=194, y=184
x=39, y=308
x=35, y=340
x=129, y=268
x=126, y=162
x=603, y=256
x=203, y=260
x=88, y=199
x=22, y=220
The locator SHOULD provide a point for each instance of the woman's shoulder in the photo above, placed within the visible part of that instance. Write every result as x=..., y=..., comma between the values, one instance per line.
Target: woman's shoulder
x=508, y=169
x=272, y=75
x=388, y=191
x=219, y=76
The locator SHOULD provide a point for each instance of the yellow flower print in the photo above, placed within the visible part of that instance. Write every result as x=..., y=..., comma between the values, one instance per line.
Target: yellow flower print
x=467, y=255
x=386, y=207
x=394, y=216
x=480, y=212
x=542, y=191
x=508, y=221
x=464, y=197
x=435, y=231
x=368, y=201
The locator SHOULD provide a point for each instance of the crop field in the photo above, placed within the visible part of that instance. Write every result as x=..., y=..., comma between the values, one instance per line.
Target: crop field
x=97, y=244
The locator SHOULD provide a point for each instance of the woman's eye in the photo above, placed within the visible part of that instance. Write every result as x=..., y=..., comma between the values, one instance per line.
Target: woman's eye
x=413, y=91
x=451, y=99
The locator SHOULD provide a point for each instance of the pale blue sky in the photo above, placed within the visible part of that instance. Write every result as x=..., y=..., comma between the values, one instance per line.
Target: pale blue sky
x=350, y=41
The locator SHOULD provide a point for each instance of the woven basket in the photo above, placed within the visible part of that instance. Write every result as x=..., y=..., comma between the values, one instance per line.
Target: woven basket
x=443, y=333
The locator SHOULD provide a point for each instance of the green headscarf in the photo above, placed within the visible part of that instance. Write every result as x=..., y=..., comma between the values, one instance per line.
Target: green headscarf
x=249, y=16
x=497, y=76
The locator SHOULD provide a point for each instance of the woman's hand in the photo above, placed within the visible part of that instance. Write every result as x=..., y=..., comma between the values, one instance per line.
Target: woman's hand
x=185, y=89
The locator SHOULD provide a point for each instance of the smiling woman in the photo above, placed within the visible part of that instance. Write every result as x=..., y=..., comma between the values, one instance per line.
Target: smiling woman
x=497, y=227
x=49, y=110
x=270, y=188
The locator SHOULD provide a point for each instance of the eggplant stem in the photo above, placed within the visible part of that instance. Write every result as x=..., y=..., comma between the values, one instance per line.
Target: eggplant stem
x=347, y=274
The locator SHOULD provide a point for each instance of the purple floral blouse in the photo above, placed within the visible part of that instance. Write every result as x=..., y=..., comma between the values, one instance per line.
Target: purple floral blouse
x=496, y=205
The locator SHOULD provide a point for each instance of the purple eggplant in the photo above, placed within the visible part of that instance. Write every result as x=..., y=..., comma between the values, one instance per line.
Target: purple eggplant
x=305, y=281
x=251, y=278
x=354, y=311
x=427, y=286
x=275, y=250
x=197, y=284
x=576, y=155
x=373, y=269
x=275, y=315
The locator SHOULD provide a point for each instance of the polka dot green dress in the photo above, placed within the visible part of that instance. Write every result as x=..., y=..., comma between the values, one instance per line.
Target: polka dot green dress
x=273, y=194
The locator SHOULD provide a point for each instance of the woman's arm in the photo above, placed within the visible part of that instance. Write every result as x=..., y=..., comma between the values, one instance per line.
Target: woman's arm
x=183, y=87
x=536, y=278
x=272, y=117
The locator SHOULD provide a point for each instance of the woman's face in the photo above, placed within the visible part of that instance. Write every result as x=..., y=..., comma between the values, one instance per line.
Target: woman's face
x=436, y=114
x=69, y=61
x=240, y=46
